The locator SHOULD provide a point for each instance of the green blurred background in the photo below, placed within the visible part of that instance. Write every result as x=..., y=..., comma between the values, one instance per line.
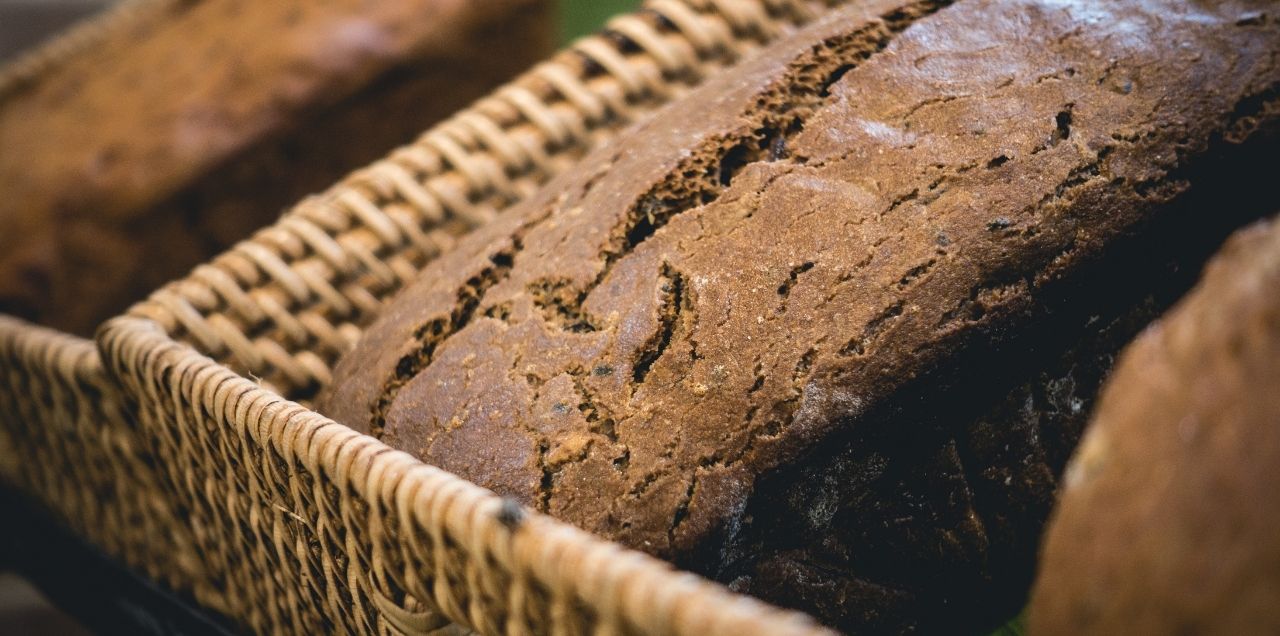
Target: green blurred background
x=580, y=17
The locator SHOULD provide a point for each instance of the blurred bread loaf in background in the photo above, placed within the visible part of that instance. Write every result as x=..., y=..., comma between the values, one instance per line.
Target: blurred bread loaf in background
x=1166, y=524
x=184, y=128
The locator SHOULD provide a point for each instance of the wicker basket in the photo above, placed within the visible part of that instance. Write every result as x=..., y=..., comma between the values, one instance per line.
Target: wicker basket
x=292, y=523
x=64, y=439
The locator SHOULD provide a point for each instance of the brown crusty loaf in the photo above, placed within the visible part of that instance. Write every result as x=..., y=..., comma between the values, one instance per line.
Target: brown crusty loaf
x=1167, y=523
x=187, y=129
x=768, y=333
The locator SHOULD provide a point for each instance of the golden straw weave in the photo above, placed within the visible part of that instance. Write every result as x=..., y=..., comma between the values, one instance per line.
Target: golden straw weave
x=65, y=441
x=291, y=523
x=309, y=527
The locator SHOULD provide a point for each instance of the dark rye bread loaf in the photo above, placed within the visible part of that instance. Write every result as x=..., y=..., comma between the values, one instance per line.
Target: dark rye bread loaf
x=184, y=131
x=827, y=328
x=1167, y=523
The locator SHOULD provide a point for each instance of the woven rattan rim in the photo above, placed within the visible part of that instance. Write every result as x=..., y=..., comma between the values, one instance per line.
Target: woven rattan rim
x=30, y=66
x=282, y=306
x=65, y=441
x=629, y=591
x=54, y=355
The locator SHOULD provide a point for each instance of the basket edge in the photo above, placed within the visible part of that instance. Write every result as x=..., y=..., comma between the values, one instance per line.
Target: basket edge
x=647, y=594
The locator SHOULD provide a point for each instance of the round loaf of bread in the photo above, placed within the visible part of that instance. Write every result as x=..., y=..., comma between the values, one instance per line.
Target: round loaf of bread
x=827, y=328
x=1166, y=524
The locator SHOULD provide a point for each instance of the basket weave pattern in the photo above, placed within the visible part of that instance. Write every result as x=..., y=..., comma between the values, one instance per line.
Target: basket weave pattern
x=296, y=524
x=65, y=441
x=310, y=527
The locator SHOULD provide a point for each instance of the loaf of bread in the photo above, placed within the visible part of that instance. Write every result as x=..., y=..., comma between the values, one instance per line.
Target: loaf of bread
x=1167, y=523
x=827, y=328
x=186, y=129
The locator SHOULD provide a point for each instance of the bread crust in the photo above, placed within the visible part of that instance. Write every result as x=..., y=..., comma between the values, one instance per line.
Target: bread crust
x=774, y=265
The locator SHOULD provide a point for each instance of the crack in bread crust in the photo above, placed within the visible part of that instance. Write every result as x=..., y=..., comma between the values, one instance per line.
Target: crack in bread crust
x=432, y=333
x=778, y=115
